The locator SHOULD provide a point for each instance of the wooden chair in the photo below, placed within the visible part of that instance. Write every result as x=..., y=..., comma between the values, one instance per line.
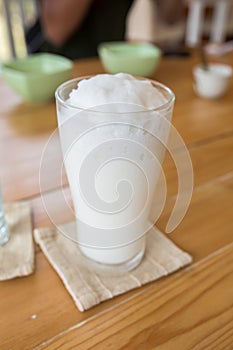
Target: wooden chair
x=195, y=20
x=9, y=20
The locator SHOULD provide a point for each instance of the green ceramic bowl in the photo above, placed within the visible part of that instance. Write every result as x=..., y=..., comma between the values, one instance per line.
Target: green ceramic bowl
x=134, y=58
x=36, y=77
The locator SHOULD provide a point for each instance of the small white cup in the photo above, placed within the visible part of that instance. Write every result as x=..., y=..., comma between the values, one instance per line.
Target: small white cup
x=212, y=83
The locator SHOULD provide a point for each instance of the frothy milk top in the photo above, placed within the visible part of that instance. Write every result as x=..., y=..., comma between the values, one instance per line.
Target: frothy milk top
x=119, y=88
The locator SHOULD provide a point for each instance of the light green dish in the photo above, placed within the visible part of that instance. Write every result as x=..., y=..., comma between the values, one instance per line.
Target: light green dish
x=134, y=58
x=36, y=77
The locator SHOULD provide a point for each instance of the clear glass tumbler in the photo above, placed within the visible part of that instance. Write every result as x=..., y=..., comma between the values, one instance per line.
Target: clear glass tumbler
x=113, y=155
x=4, y=232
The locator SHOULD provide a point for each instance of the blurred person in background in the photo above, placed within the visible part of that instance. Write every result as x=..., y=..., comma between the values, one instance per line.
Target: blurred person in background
x=75, y=28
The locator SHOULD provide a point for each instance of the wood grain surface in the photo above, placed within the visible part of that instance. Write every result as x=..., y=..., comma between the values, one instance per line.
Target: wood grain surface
x=158, y=321
x=189, y=310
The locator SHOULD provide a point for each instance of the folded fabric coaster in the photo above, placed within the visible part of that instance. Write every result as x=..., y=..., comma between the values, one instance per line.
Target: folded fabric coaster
x=17, y=255
x=89, y=287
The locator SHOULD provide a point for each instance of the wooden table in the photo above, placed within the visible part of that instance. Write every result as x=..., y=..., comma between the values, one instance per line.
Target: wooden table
x=191, y=309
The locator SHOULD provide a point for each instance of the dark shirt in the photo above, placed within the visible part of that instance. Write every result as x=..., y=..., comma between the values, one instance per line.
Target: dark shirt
x=105, y=21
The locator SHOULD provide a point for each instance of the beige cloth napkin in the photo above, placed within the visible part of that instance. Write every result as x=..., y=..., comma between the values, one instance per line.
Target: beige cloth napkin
x=17, y=255
x=88, y=287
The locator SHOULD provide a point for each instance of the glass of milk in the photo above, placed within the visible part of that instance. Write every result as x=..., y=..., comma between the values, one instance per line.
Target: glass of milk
x=113, y=131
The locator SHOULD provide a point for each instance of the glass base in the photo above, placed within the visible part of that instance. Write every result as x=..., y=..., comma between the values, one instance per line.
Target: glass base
x=116, y=269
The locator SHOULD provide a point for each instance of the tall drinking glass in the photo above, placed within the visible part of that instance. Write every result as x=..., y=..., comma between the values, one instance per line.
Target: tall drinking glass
x=113, y=155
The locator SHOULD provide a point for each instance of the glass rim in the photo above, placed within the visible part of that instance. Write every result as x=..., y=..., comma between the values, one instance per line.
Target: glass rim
x=155, y=82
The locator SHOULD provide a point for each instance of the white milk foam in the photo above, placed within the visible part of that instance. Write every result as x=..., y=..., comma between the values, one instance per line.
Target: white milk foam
x=111, y=169
x=119, y=88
